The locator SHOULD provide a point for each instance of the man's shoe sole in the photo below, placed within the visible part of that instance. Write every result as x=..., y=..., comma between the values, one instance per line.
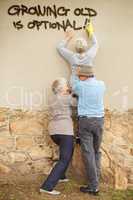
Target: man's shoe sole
x=89, y=191
x=94, y=193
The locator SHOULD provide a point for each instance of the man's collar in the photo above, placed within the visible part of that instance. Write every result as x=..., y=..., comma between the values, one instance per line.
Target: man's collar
x=91, y=79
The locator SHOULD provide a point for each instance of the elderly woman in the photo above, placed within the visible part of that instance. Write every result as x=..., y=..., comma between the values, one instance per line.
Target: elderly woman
x=61, y=131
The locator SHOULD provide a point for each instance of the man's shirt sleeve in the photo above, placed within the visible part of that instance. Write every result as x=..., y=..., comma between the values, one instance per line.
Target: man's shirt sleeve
x=103, y=86
x=93, y=50
x=64, y=51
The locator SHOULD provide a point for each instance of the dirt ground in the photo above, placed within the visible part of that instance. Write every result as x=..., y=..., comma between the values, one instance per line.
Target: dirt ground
x=27, y=188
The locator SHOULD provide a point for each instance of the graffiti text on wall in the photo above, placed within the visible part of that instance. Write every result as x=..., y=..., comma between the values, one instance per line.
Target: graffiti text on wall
x=50, y=17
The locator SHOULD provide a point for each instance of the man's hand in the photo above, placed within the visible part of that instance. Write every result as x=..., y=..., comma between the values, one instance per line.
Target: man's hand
x=69, y=34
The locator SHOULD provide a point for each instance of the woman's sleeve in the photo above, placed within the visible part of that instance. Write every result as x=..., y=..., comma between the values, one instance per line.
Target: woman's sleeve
x=73, y=101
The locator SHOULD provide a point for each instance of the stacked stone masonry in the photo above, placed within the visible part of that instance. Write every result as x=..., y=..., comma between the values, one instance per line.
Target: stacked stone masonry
x=25, y=145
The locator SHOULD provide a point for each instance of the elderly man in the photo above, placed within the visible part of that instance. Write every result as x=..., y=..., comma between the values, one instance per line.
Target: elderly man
x=83, y=54
x=91, y=119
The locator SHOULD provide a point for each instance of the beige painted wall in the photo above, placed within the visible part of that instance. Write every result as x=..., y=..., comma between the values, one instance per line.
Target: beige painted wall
x=29, y=61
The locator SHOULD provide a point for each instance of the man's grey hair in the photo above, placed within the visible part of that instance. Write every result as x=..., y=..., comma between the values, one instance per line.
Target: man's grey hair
x=81, y=45
x=58, y=85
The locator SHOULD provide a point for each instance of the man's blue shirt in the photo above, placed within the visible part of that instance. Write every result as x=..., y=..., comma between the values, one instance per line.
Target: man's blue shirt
x=90, y=96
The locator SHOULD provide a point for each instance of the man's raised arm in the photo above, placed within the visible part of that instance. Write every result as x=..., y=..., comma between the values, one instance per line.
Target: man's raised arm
x=93, y=50
x=62, y=47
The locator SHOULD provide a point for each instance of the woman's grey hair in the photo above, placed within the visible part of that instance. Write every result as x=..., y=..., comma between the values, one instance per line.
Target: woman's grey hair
x=58, y=85
x=81, y=45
